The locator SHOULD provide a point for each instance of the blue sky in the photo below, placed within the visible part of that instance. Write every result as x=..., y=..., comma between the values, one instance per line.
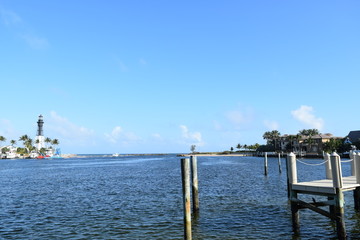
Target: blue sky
x=159, y=76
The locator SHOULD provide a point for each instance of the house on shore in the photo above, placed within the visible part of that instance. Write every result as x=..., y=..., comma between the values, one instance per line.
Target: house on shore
x=354, y=136
x=301, y=144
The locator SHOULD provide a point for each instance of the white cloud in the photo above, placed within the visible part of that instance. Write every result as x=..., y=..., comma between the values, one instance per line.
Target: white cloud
x=35, y=41
x=191, y=137
x=114, y=135
x=305, y=115
x=240, y=118
x=118, y=135
x=13, y=20
x=68, y=131
x=142, y=61
x=157, y=136
x=9, y=17
x=271, y=125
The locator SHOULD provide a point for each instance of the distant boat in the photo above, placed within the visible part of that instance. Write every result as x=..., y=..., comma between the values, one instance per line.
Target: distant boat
x=116, y=155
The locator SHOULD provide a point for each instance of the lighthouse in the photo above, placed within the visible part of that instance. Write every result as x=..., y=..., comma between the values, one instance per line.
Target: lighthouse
x=40, y=139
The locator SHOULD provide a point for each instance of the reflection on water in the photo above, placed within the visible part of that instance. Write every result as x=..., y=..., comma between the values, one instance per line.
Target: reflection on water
x=141, y=198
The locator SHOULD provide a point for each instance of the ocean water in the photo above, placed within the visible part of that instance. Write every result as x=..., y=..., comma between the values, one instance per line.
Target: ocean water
x=140, y=197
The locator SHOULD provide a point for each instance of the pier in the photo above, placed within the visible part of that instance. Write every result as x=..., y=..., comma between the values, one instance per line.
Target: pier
x=333, y=187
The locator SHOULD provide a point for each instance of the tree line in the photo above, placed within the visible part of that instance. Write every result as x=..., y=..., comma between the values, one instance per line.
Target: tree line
x=307, y=135
x=28, y=144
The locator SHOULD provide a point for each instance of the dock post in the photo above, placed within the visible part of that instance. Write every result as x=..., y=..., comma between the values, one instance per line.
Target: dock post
x=292, y=173
x=327, y=166
x=279, y=162
x=195, y=185
x=292, y=176
x=357, y=167
x=265, y=165
x=353, y=168
x=357, y=175
x=336, y=170
x=185, y=175
x=339, y=197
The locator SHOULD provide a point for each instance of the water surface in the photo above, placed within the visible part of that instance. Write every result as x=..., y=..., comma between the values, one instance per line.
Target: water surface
x=140, y=197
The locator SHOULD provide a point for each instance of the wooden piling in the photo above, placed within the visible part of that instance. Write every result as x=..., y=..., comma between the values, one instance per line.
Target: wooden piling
x=295, y=215
x=327, y=166
x=292, y=178
x=339, y=214
x=279, y=162
x=339, y=196
x=357, y=167
x=357, y=174
x=195, y=187
x=265, y=164
x=287, y=177
x=353, y=168
x=292, y=171
x=185, y=174
x=336, y=170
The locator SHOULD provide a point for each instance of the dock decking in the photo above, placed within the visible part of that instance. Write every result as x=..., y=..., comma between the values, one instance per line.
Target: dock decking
x=325, y=186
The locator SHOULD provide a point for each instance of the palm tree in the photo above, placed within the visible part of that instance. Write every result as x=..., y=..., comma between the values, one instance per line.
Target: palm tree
x=47, y=140
x=56, y=142
x=238, y=146
x=24, y=138
x=267, y=136
x=2, y=139
x=29, y=144
x=298, y=138
x=291, y=142
x=13, y=142
x=309, y=133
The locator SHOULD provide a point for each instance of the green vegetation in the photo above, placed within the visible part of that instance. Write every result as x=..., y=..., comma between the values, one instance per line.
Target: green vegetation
x=28, y=145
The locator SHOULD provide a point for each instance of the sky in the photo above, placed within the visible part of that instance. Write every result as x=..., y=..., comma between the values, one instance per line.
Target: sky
x=136, y=76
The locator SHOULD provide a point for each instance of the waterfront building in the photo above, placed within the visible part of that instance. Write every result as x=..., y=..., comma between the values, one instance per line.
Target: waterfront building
x=312, y=145
x=354, y=136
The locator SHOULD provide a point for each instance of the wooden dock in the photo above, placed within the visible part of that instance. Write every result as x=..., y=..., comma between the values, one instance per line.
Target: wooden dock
x=332, y=187
x=325, y=186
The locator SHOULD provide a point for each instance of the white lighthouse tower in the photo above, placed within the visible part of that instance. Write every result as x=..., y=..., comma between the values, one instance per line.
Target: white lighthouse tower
x=40, y=134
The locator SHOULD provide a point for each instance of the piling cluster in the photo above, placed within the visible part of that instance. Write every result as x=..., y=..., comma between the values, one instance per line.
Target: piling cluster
x=189, y=179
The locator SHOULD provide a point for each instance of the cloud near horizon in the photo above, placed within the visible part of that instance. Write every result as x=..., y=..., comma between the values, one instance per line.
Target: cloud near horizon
x=191, y=137
x=305, y=115
x=240, y=118
x=69, y=131
x=271, y=125
x=118, y=135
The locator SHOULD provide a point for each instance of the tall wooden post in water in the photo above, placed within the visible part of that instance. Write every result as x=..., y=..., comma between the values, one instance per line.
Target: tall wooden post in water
x=195, y=185
x=265, y=164
x=357, y=174
x=339, y=197
x=185, y=175
x=279, y=162
x=292, y=176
